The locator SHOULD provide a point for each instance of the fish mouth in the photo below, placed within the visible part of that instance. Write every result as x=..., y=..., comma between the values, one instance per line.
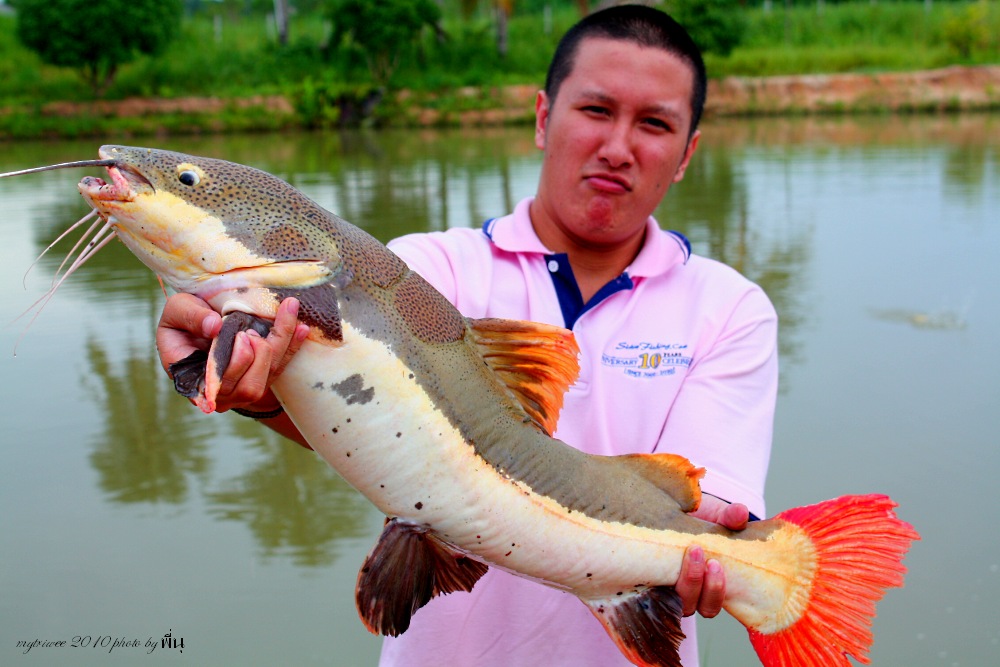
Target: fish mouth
x=122, y=186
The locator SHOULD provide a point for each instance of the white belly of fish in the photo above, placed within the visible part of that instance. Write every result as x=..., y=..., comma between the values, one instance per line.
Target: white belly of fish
x=360, y=408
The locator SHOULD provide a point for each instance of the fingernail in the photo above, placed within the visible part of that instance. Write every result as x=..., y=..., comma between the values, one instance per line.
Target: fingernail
x=714, y=566
x=208, y=325
x=697, y=555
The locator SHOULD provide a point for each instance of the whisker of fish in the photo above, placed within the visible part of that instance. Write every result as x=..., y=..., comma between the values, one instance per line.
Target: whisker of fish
x=90, y=233
x=88, y=252
x=91, y=214
x=98, y=235
x=62, y=165
x=100, y=239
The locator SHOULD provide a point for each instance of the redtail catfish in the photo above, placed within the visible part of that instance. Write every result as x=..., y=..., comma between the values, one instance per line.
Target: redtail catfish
x=443, y=423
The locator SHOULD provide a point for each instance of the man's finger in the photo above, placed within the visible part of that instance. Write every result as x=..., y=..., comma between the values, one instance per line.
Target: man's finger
x=186, y=312
x=254, y=382
x=692, y=575
x=735, y=516
x=286, y=335
x=186, y=324
x=713, y=590
x=241, y=360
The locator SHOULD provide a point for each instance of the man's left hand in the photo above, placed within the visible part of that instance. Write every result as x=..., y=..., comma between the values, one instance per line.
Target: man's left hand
x=702, y=583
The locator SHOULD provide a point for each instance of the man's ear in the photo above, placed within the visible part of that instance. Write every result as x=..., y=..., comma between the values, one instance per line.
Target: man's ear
x=688, y=152
x=541, y=118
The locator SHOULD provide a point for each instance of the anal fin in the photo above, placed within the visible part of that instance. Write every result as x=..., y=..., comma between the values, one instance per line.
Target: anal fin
x=406, y=568
x=645, y=625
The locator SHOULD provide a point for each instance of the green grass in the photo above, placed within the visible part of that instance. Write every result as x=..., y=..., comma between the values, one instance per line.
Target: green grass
x=861, y=37
x=239, y=57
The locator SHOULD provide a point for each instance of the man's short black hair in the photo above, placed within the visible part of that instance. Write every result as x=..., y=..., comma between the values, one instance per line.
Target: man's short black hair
x=641, y=25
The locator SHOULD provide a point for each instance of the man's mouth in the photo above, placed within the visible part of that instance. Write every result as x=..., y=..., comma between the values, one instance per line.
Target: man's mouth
x=610, y=183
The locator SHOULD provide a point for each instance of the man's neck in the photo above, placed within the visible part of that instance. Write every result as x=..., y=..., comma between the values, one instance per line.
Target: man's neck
x=593, y=270
x=593, y=266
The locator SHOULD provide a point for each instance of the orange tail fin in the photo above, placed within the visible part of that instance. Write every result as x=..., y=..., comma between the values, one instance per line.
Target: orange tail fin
x=860, y=544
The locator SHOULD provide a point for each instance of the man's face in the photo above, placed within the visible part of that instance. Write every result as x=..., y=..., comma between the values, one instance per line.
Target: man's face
x=615, y=139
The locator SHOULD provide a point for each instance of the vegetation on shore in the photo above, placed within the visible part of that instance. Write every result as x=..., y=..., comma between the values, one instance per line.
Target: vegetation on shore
x=235, y=55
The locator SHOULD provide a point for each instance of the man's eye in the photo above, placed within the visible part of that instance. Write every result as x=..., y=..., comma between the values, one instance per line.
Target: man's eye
x=658, y=124
x=600, y=111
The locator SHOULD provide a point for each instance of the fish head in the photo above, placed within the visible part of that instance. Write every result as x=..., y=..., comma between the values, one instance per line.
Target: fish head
x=214, y=228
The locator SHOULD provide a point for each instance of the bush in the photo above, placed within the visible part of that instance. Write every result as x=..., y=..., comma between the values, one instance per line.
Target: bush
x=967, y=31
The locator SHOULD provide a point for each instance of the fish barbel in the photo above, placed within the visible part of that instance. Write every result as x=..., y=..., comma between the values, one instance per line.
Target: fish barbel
x=444, y=424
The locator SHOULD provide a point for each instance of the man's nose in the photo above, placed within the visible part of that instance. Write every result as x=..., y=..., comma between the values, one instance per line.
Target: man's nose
x=616, y=150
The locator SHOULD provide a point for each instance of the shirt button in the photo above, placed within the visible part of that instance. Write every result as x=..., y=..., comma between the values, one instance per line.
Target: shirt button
x=553, y=266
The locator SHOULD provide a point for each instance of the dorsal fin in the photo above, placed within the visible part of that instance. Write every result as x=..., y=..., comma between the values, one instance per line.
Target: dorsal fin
x=537, y=362
x=671, y=473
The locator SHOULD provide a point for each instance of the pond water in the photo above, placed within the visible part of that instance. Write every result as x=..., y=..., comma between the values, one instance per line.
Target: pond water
x=125, y=513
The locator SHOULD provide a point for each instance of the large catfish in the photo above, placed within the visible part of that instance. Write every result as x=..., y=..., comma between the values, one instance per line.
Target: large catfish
x=443, y=423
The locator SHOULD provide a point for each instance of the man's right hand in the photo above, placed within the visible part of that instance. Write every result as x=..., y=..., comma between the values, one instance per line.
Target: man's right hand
x=188, y=324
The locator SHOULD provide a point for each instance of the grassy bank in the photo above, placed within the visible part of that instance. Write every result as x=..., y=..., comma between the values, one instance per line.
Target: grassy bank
x=238, y=57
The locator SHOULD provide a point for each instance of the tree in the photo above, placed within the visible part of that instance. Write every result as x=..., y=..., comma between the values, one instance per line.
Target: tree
x=96, y=37
x=383, y=29
x=717, y=26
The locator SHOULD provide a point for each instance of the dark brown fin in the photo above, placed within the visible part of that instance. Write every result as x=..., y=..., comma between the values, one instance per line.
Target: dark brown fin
x=221, y=353
x=671, y=473
x=406, y=568
x=189, y=373
x=646, y=626
x=537, y=362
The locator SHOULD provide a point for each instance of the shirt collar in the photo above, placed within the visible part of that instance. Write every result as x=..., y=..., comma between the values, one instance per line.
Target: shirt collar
x=660, y=252
x=514, y=232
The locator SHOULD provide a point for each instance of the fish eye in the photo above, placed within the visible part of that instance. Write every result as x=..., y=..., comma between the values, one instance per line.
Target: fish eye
x=189, y=177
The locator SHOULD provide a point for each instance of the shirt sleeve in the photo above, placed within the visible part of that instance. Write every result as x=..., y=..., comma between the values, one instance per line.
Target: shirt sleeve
x=725, y=410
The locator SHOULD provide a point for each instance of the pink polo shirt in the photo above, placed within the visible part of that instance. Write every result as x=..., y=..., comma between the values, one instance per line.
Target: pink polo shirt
x=679, y=354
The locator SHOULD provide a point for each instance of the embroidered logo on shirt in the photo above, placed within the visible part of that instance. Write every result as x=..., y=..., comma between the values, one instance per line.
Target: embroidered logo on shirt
x=647, y=360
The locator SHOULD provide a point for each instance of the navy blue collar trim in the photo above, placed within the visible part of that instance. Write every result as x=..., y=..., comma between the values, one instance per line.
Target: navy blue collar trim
x=568, y=290
x=683, y=240
x=488, y=228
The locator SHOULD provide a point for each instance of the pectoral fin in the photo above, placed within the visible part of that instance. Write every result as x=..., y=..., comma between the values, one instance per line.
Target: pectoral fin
x=537, y=362
x=189, y=374
x=406, y=569
x=645, y=624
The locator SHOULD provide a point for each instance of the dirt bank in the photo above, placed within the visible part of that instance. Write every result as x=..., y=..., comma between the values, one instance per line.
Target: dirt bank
x=948, y=89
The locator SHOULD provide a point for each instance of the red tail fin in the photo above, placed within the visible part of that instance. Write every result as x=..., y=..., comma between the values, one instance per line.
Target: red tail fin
x=860, y=544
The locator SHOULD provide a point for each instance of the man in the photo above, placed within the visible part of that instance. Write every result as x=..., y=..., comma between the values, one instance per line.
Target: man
x=677, y=352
